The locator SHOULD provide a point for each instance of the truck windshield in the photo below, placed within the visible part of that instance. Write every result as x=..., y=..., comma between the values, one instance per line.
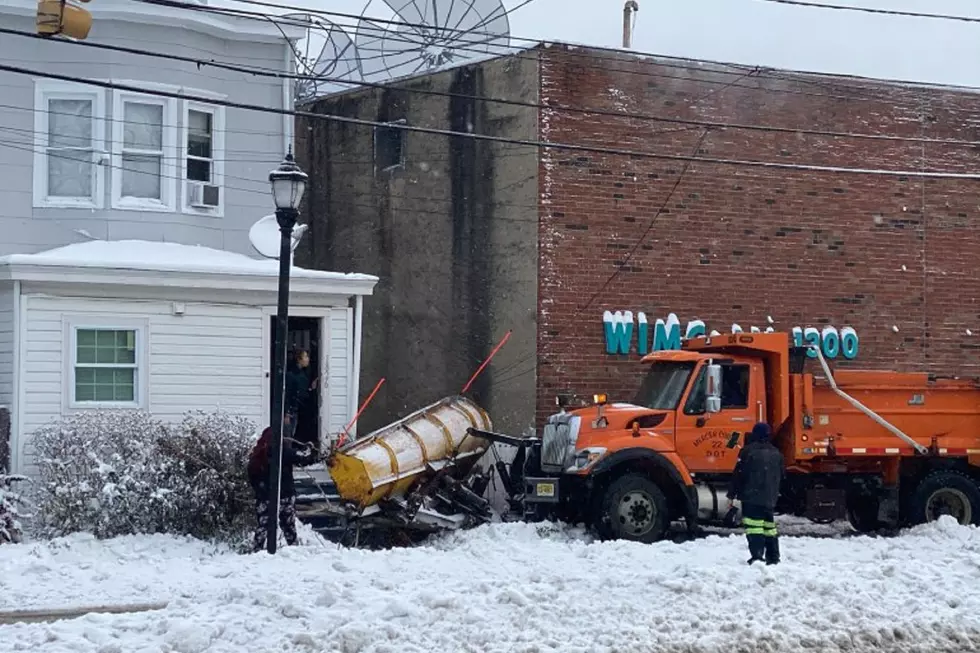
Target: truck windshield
x=664, y=385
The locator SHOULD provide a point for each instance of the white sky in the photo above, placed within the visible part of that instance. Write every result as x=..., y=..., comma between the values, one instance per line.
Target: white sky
x=757, y=32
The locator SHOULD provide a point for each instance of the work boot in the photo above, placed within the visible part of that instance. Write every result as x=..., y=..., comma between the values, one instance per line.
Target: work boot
x=772, y=550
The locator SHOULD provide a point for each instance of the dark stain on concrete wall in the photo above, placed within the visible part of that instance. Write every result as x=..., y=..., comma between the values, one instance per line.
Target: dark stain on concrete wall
x=451, y=231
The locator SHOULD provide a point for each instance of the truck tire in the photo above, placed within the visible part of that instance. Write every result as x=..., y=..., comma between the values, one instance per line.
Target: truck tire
x=946, y=492
x=633, y=508
x=862, y=513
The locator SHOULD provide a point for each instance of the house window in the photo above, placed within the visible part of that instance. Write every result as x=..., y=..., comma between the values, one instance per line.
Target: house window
x=200, y=146
x=105, y=366
x=144, y=129
x=389, y=146
x=203, y=160
x=69, y=136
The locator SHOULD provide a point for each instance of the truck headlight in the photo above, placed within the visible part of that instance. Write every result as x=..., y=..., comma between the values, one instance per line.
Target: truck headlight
x=585, y=458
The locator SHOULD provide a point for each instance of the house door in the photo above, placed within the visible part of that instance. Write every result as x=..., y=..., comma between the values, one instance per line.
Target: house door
x=304, y=333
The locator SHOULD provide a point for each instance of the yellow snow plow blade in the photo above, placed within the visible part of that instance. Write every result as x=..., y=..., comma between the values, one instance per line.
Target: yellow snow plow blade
x=390, y=460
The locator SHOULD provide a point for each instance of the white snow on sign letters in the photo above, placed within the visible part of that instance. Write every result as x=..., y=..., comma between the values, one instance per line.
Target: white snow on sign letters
x=505, y=588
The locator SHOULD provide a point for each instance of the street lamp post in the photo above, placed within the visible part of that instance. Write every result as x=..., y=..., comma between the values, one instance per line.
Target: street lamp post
x=288, y=185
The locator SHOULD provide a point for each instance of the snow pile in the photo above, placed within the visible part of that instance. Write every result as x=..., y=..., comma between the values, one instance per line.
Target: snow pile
x=122, y=472
x=505, y=588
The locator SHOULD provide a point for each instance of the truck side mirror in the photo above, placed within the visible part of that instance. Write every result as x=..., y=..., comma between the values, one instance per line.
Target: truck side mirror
x=712, y=402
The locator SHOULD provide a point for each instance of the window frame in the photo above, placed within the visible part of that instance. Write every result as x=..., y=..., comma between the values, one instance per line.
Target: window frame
x=74, y=324
x=45, y=91
x=217, y=156
x=168, y=168
x=698, y=380
x=401, y=145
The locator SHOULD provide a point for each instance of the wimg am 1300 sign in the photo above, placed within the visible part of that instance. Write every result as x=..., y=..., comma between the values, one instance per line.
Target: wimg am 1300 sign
x=620, y=328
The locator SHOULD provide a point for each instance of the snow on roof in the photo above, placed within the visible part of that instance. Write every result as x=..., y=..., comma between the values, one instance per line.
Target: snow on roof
x=166, y=257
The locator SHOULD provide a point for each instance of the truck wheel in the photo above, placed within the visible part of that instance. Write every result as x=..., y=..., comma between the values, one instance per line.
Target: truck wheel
x=862, y=513
x=634, y=508
x=946, y=492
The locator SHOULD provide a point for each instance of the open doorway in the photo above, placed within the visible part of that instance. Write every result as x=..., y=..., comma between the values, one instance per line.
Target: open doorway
x=304, y=333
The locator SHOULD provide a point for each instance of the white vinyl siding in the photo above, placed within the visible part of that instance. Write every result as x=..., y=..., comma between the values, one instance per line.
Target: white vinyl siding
x=340, y=344
x=69, y=139
x=7, y=347
x=203, y=158
x=144, y=152
x=211, y=357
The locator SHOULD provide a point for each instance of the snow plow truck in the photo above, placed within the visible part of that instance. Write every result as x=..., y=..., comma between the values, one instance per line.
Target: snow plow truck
x=882, y=449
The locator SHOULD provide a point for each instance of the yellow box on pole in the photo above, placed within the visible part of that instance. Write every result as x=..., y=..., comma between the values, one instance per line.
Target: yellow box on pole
x=61, y=17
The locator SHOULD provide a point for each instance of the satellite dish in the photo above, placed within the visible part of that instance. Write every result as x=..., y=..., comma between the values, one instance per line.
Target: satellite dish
x=324, y=55
x=265, y=236
x=394, y=38
x=433, y=33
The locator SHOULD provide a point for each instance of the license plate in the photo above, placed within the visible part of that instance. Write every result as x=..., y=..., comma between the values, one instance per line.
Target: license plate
x=545, y=489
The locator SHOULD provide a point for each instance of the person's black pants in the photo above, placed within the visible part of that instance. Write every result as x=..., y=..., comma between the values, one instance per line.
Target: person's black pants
x=287, y=520
x=760, y=531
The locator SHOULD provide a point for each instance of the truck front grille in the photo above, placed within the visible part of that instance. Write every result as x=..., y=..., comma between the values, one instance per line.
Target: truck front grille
x=554, y=446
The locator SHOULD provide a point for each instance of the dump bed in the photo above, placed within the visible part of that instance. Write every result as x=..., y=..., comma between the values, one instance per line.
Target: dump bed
x=940, y=412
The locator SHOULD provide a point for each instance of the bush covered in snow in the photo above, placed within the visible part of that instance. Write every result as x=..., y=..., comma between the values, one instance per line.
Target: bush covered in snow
x=11, y=503
x=121, y=472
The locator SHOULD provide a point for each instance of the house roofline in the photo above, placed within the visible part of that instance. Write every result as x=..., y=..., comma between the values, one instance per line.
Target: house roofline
x=232, y=28
x=300, y=284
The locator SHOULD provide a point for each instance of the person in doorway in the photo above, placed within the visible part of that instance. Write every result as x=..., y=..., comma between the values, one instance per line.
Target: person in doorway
x=258, y=477
x=299, y=389
x=756, y=481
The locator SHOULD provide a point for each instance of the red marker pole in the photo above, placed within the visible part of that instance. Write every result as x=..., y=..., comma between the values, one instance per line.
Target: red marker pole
x=363, y=406
x=486, y=362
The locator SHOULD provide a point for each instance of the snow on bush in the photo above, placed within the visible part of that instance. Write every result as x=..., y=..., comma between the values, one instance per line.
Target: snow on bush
x=11, y=502
x=116, y=473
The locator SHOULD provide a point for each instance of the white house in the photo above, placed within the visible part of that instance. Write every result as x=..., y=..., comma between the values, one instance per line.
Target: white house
x=166, y=328
x=79, y=160
x=127, y=278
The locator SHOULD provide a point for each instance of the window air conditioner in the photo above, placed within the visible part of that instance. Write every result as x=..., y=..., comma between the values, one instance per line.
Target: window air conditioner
x=202, y=195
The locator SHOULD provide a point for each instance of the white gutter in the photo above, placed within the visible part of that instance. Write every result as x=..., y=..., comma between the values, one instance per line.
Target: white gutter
x=15, y=444
x=864, y=409
x=356, y=376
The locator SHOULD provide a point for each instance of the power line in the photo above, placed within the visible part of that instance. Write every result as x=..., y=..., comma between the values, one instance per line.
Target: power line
x=618, y=54
x=515, y=51
x=653, y=220
x=520, y=103
x=867, y=10
x=29, y=148
x=497, y=139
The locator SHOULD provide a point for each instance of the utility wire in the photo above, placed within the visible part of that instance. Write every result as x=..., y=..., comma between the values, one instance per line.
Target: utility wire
x=496, y=139
x=518, y=103
x=867, y=10
x=516, y=53
x=588, y=51
x=653, y=220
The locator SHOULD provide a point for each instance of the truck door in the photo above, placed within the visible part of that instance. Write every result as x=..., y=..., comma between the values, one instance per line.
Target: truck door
x=702, y=438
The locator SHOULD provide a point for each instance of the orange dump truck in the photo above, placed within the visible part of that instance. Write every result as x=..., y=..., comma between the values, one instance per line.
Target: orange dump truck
x=883, y=449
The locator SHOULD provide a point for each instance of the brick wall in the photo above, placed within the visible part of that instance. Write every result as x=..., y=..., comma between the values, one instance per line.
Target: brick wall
x=739, y=243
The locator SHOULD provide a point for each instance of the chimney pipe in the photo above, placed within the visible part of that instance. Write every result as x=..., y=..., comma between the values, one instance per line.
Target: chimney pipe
x=629, y=9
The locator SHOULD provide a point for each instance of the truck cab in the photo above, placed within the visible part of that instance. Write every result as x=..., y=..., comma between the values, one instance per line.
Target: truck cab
x=630, y=468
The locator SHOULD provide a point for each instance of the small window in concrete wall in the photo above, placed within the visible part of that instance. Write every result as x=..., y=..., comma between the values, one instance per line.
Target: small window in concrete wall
x=389, y=142
x=105, y=364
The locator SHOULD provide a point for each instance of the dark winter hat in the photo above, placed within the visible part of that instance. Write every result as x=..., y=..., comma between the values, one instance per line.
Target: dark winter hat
x=761, y=432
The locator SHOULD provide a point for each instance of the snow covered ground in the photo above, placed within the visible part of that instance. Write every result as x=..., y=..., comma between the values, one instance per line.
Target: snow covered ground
x=506, y=587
